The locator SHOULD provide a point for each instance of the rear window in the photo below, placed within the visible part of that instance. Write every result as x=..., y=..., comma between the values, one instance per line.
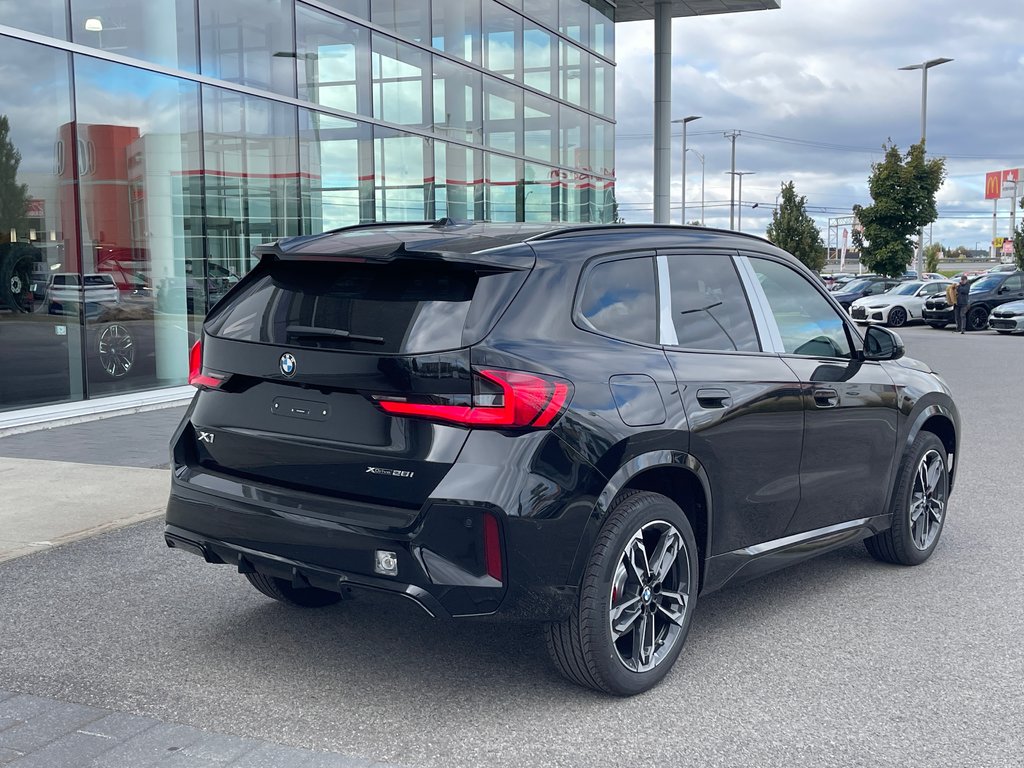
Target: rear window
x=395, y=308
x=105, y=281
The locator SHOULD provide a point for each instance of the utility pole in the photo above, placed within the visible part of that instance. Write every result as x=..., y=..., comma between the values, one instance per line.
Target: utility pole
x=732, y=186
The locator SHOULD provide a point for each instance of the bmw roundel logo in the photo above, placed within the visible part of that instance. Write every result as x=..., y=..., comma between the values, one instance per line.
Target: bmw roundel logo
x=288, y=364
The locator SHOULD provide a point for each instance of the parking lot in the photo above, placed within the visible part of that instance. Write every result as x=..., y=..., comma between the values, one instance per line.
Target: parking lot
x=840, y=661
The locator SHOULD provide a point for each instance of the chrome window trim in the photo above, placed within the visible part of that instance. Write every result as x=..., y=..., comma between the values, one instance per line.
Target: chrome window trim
x=764, y=320
x=666, y=328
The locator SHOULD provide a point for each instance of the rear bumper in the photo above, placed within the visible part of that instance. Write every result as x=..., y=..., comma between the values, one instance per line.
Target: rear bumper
x=441, y=560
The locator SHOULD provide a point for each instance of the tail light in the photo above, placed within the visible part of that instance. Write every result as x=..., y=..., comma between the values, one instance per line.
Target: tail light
x=501, y=399
x=492, y=547
x=196, y=377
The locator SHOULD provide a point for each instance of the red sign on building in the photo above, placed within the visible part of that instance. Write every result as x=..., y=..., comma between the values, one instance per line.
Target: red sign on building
x=993, y=185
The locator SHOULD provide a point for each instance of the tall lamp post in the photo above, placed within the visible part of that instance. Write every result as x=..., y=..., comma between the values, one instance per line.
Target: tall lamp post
x=739, y=208
x=701, y=158
x=924, y=66
x=683, y=121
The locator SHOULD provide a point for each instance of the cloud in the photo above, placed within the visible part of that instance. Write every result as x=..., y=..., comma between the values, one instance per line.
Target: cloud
x=816, y=93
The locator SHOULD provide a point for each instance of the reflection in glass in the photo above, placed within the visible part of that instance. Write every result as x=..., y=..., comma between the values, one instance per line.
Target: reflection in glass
x=248, y=42
x=602, y=84
x=503, y=32
x=575, y=136
x=540, y=127
x=402, y=169
x=458, y=191
x=544, y=11
x=503, y=115
x=540, y=201
x=602, y=147
x=141, y=229
x=401, y=83
x=333, y=61
x=336, y=158
x=40, y=352
x=574, y=20
x=501, y=188
x=573, y=65
x=252, y=189
x=540, y=54
x=457, y=101
x=456, y=28
x=161, y=32
x=602, y=28
x=407, y=18
x=360, y=8
x=46, y=17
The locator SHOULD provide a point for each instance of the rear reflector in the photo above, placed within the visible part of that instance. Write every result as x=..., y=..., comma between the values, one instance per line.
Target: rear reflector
x=492, y=547
x=196, y=377
x=519, y=400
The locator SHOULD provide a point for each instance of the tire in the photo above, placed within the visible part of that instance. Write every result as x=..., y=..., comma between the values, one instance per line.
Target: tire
x=115, y=350
x=897, y=317
x=586, y=647
x=283, y=591
x=977, y=319
x=15, y=281
x=911, y=540
x=937, y=324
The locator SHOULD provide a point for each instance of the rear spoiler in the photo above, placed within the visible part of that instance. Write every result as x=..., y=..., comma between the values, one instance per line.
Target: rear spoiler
x=445, y=240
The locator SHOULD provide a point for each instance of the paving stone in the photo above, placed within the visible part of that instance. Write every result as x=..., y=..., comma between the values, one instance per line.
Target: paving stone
x=118, y=726
x=213, y=750
x=53, y=720
x=72, y=750
x=8, y=756
x=149, y=747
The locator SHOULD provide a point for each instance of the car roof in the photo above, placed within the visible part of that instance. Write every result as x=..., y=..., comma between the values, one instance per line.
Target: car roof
x=449, y=237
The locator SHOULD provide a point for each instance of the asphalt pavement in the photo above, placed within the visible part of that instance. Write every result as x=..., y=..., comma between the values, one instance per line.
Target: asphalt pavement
x=837, y=662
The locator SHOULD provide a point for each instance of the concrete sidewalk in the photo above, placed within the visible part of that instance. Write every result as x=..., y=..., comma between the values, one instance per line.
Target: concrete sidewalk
x=69, y=482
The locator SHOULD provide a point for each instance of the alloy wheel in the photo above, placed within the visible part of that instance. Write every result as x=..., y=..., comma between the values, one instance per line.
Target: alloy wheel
x=116, y=351
x=897, y=317
x=928, y=500
x=650, y=596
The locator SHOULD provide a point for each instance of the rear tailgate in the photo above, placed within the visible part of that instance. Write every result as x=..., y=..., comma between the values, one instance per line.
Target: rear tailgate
x=302, y=350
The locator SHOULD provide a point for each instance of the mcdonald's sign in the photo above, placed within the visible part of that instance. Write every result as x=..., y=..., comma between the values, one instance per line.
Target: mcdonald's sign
x=993, y=185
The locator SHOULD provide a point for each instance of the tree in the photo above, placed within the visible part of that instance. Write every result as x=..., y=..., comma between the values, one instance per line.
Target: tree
x=903, y=189
x=931, y=257
x=793, y=230
x=13, y=196
x=1018, y=240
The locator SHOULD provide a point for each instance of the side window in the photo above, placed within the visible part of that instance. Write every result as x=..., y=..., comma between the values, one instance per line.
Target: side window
x=808, y=323
x=1014, y=283
x=619, y=299
x=709, y=307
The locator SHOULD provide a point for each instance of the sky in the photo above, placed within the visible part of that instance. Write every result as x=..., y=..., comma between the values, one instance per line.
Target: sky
x=815, y=91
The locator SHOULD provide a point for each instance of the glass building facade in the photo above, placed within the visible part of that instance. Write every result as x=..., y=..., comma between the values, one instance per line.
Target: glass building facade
x=145, y=147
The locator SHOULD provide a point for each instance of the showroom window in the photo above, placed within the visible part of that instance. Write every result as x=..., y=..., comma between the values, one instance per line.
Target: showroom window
x=161, y=32
x=332, y=61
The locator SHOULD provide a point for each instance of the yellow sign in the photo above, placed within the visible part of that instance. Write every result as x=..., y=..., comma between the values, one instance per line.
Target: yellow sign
x=998, y=241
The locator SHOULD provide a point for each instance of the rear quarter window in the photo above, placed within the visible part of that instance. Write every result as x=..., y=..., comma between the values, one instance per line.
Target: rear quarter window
x=619, y=299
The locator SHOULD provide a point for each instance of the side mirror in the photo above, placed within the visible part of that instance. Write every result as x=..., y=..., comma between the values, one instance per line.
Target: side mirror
x=882, y=344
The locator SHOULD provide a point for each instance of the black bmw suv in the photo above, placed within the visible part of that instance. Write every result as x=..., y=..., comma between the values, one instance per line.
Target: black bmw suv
x=585, y=426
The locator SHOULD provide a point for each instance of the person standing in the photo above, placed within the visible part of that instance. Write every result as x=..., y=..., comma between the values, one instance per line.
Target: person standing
x=963, y=290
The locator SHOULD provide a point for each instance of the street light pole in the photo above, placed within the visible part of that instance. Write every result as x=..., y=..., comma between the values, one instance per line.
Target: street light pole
x=683, y=121
x=924, y=66
x=732, y=185
x=739, y=216
x=701, y=158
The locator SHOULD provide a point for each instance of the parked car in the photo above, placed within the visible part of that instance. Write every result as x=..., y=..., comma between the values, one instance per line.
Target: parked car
x=585, y=426
x=66, y=291
x=898, y=306
x=831, y=279
x=1007, y=318
x=866, y=285
x=987, y=292
x=934, y=276
x=1002, y=268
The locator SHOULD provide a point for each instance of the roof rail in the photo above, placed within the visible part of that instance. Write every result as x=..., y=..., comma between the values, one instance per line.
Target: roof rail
x=589, y=229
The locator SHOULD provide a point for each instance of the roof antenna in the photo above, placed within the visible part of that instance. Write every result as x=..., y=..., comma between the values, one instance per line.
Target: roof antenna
x=447, y=221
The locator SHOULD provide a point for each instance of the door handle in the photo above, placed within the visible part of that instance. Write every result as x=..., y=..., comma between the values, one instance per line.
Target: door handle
x=714, y=398
x=826, y=397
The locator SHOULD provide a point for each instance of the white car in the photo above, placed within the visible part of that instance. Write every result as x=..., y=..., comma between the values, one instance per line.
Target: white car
x=1007, y=318
x=67, y=289
x=897, y=306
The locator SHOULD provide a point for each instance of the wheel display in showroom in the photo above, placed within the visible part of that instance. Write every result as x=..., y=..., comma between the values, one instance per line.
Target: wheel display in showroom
x=116, y=351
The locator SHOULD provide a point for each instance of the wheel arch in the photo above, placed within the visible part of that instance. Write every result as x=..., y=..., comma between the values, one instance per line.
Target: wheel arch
x=942, y=423
x=674, y=474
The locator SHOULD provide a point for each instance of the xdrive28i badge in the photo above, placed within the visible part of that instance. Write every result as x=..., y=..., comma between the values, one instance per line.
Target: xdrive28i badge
x=288, y=364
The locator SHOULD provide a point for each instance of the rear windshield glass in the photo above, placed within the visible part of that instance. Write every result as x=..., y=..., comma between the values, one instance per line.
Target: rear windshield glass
x=397, y=308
